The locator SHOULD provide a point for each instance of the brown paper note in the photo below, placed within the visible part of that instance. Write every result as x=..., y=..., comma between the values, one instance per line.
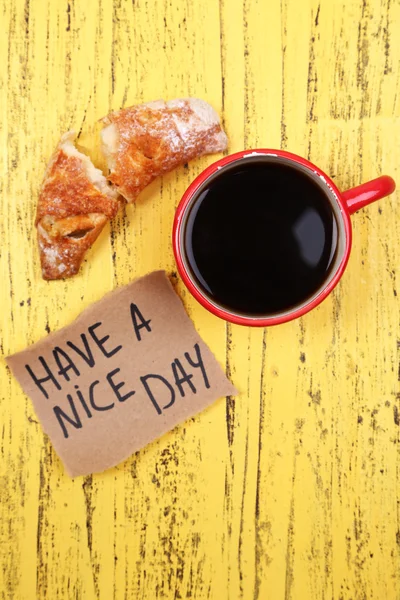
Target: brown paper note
x=127, y=370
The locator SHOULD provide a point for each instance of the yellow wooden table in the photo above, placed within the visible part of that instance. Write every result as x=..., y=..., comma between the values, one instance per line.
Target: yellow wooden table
x=292, y=489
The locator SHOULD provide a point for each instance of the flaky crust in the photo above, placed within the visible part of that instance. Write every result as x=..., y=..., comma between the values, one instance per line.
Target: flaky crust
x=74, y=205
x=144, y=141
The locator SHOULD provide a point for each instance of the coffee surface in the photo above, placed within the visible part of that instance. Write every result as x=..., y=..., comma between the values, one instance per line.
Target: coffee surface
x=261, y=238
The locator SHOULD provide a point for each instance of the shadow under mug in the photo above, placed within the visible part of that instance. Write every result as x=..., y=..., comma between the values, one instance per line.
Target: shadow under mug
x=343, y=204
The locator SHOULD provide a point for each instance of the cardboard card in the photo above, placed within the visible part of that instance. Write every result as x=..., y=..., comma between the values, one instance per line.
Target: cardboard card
x=128, y=369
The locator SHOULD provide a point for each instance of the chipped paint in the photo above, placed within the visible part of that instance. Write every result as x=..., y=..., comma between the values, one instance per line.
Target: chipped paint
x=291, y=490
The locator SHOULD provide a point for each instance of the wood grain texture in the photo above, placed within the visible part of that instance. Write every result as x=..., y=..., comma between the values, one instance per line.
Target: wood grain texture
x=290, y=491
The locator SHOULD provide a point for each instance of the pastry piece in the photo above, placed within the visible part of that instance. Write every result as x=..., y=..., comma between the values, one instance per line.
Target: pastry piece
x=148, y=140
x=75, y=203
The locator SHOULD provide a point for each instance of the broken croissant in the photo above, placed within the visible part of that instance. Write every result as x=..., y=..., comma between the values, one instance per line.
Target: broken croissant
x=139, y=143
x=75, y=203
x=144, y=141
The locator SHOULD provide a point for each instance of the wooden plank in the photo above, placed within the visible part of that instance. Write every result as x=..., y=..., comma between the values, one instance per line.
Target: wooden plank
x=290, y=491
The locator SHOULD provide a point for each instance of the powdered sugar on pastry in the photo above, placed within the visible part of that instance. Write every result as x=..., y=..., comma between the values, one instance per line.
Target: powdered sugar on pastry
x=139, y=143
x=144, y=141
x=199, y=121
x=75, y=203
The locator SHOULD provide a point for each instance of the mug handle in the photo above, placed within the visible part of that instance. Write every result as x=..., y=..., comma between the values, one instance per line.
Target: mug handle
x=364, y=194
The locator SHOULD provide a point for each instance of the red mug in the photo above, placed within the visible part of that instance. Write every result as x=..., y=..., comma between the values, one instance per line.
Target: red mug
x=343, y=205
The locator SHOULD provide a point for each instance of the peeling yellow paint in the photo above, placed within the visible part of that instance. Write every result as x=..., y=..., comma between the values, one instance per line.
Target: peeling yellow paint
x=291, y=490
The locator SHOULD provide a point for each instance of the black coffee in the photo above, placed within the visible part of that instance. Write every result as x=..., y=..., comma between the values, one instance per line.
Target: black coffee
x=261, y=238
